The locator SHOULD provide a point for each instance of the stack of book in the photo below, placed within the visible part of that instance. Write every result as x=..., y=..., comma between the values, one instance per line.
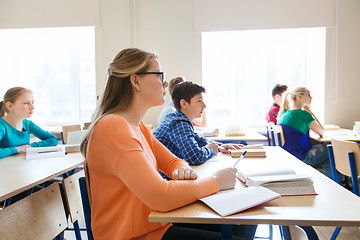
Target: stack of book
x=280, y=180
x=255, y=150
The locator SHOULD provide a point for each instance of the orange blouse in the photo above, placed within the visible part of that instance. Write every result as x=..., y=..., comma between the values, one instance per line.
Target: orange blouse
x=123, y=163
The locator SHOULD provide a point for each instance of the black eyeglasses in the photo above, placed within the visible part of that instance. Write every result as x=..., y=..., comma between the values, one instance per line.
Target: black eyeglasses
x=162, y=75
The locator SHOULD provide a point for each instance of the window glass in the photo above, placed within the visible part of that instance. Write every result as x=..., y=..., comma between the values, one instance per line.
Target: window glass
x=240, y=68
x=58, y=65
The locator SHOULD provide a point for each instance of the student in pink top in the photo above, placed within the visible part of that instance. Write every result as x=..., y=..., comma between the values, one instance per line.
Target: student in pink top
x=123, y=159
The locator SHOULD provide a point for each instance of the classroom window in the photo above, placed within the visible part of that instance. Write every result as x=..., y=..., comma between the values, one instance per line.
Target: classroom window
x=240, y=68
x=58, y=65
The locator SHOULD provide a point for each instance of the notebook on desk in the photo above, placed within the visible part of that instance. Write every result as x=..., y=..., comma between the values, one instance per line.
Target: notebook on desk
x=45, y=152
x=236, y=200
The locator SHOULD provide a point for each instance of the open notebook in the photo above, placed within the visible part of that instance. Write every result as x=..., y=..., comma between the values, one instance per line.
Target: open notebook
x=239, y=199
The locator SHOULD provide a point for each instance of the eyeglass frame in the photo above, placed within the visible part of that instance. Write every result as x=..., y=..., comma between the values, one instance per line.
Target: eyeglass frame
x=163, y=75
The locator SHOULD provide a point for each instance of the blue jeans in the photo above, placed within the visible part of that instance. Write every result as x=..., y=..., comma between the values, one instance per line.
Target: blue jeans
x=318, y=157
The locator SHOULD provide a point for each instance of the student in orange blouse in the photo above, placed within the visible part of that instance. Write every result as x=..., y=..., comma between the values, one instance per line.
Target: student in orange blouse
x=123, y=159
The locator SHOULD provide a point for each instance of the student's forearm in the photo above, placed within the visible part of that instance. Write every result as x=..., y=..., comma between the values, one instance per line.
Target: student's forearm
x=5, y=152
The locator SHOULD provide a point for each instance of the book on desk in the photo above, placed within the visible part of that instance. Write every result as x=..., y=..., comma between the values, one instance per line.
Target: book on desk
x=281, y=180
x=255, y=150
x=231, y=132
x=45, y=152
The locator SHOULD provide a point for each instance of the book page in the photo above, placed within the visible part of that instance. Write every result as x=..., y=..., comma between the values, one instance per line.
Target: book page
x=236, y=200
x=264, y=172
x=261, y=180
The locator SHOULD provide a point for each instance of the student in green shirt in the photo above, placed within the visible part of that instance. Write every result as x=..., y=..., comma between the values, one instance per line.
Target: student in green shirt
x=296, y=123
x=15, y=129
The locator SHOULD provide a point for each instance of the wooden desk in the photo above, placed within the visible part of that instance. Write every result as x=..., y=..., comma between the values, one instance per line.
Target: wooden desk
x=342, y=133
x=250, y=136
x=18, y=174
x=333, y=206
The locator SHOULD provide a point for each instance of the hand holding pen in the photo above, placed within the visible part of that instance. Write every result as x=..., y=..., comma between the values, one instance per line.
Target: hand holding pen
x=241, y=157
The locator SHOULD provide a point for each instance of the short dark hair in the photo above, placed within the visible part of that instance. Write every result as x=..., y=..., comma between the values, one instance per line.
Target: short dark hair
x=279, y=89
x=185, y=90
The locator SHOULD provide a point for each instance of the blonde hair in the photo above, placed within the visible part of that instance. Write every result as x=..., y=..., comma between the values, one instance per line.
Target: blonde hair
x=286, y=104
x=173, y=82
x=118, y=93
x=10, y=96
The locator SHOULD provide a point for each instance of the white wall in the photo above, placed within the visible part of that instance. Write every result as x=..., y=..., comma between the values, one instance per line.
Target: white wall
x=162, y=26
x=342, y=100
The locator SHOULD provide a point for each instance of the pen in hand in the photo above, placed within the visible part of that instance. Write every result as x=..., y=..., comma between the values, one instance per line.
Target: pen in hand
x=241, y=157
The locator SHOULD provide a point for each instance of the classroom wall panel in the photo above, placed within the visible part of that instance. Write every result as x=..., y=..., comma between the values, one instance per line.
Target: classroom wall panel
x=231, y=15
x=342, y=99
x=48, y=13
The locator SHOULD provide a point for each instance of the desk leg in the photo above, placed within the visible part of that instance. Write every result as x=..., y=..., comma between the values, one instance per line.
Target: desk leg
x=250, y=234
x=77, y=230
x=285, y=232
x=335, y=233
x=226, y=231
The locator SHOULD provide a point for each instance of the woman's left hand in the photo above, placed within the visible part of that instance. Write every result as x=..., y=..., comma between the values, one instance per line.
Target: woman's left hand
x=184, y=174
x=224, y=148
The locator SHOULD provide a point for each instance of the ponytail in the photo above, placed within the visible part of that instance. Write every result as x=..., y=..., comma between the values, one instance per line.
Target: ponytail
x=2, y=110
x=286, y=104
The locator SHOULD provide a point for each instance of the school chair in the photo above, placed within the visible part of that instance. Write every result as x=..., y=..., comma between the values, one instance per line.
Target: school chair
x=344, y=158
x=85, y=197
x=67, y=129
x=38, y=216
x=268, y=133
x=73, y=200
x=275, y=135
x=86, y=125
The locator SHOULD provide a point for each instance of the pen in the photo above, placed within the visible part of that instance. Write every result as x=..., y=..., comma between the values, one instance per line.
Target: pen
x=241, y=157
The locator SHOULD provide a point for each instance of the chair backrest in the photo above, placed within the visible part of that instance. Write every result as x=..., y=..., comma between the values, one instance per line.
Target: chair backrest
x=341, y=149
x=73, y=197
x=86, y=125
x=268, y=132
x=38, y=216
x=275, y=135
x=86, y=205
x=69, y=128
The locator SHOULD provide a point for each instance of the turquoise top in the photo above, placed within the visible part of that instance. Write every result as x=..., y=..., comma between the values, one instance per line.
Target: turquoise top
x=10, y=137
x=298, y=119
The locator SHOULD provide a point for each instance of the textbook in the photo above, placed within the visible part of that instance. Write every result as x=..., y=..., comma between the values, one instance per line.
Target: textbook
x=253, y=146
x=45, y=152
x=283, y=181
x=231, y=132
x=232, y=201
x=251, y=152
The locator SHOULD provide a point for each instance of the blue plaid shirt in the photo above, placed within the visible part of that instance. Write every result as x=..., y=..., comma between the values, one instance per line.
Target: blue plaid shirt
x=176, y=132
